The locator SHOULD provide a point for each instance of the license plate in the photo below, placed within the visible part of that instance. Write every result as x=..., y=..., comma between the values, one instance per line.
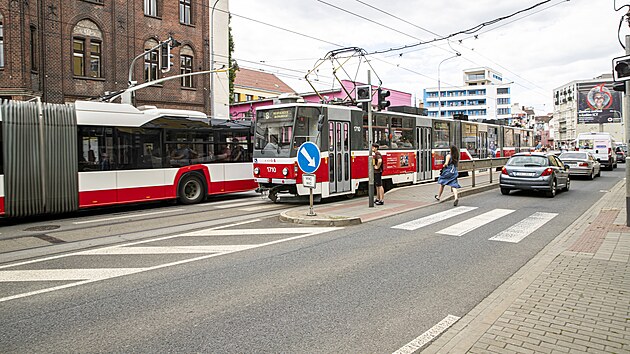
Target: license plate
x=524, y=174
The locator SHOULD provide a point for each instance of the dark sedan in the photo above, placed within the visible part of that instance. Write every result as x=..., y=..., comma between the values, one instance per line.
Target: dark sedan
x=534, y=171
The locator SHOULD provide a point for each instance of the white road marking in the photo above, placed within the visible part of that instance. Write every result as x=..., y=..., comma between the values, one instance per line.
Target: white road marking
x=127, y=244
x=235, y=205
x=65, y=274
x=475, y=222
x=432, y=219
x=127, y=216
x=428, y=336
x=169, y=250
x=243, y=232
x=109, y=273
x=523, y=228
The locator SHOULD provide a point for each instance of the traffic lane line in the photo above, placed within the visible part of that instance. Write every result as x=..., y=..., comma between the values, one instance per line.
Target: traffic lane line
x=428, y=336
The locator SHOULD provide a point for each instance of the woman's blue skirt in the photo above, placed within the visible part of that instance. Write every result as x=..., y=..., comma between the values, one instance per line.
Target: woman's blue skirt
x=449, y=177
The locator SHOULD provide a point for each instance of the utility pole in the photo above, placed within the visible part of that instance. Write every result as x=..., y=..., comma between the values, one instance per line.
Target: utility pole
x=626, y=115
x=370, y=142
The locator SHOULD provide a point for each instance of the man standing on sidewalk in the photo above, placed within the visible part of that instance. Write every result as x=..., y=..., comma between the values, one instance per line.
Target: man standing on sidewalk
x=378, y=174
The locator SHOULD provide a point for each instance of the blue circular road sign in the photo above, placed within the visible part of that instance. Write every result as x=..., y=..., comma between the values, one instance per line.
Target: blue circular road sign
x=308, y=157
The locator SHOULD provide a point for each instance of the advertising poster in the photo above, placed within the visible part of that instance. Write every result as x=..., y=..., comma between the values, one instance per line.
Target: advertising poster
x=598, y=103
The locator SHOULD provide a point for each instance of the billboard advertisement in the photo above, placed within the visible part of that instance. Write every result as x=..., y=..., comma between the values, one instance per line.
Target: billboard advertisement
x=598, y=103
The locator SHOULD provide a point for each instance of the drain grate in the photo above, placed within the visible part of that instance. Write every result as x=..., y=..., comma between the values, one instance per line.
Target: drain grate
x=43, y=228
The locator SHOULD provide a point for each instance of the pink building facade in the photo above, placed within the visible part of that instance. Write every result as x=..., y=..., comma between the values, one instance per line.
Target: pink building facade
x=248, y=108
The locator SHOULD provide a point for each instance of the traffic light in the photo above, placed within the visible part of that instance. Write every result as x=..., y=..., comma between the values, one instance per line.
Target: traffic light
x=382, y=99
x=165, y=56
x=364, y=93
x=621, y=68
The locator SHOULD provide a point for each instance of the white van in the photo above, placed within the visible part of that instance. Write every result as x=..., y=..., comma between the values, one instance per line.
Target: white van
x=601, y=145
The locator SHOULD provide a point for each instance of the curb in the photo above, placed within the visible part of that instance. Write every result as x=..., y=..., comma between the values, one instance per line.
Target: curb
x=300, y=217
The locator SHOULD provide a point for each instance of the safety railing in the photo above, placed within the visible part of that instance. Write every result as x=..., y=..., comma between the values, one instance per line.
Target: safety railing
x=481, y=164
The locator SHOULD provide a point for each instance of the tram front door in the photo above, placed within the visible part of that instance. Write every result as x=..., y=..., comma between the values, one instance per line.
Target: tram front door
x=339, y=156
x=423, y=155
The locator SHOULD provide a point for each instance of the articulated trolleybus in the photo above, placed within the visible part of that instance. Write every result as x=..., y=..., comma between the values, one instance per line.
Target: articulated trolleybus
x=413, y=147
x=60, y=158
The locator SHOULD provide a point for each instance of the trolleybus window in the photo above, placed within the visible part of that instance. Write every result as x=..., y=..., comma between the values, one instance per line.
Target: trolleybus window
x=441, y=135
x=96, y=148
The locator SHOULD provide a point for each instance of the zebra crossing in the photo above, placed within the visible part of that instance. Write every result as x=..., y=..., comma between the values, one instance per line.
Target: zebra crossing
x=513, y=234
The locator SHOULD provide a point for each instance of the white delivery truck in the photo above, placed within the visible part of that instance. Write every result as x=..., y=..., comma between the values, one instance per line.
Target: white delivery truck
x=601, y=145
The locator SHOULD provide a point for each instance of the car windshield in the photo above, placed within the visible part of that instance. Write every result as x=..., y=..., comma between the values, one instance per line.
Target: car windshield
x=573, y=155
x=528, y=161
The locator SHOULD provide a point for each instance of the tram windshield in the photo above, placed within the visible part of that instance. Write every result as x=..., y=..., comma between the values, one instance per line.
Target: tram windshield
x=281, y=131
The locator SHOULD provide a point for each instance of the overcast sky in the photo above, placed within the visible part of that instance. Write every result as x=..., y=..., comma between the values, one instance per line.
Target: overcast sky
x=539, y=50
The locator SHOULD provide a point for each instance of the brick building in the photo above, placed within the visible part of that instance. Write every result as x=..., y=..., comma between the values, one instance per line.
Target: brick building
x=65, y=50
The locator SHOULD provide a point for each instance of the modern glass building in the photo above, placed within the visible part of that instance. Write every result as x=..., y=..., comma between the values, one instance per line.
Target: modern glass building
x=483, y=96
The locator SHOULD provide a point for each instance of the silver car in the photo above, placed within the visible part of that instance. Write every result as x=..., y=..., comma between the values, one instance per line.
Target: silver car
x=581, y=163
x=534, y=171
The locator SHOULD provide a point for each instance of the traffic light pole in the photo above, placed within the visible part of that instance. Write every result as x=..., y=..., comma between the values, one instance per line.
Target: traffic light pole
x=370, y=142
x=626, y=122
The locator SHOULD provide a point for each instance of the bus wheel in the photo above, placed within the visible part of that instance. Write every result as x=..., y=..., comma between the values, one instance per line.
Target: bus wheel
x=191, y=190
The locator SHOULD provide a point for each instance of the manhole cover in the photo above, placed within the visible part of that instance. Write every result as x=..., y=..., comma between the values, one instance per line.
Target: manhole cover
x=43, y=228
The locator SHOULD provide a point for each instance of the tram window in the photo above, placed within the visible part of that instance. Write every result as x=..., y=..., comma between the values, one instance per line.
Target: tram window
x=508, y=137
x=306, y=126
x=95, y=147
x=402, y=134
x=469, y=138
x=441, y=135
x=492, y=141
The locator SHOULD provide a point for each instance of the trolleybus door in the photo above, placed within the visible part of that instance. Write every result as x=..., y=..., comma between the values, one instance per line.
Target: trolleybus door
x=423, y=155
x=483, y=145
x=339, y=156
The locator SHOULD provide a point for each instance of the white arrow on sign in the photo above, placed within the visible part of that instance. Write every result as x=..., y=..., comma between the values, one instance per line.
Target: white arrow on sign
x=311, y=161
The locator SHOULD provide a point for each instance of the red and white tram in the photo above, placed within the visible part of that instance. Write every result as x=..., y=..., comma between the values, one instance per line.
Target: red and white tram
x=413, y=147
x=98, y=154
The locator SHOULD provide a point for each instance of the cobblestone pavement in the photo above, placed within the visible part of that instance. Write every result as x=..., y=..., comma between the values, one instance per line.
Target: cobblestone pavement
x=573, y=297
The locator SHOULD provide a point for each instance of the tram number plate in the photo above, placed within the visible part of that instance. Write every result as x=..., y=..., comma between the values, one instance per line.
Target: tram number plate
x=308, y=180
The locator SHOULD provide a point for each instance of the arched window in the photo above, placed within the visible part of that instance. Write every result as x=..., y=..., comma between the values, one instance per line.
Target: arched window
x=87, y=42
x=151, y=61
x=186, y=65
x=1, y=41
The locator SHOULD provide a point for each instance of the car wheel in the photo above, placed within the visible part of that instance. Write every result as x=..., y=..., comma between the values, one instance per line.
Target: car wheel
x=552, y=189
x=592, y=175
x=568, y=185
x=191, y=190
x=505, y=191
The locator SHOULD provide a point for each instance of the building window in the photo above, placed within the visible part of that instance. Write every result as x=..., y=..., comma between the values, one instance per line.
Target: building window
x=78, y=50
x=249, y=98
x=87, y=50
x=34, y=60
x=151, y=61
x=186, y=66
x=237, y=97
x=151, y=7
x=1, y=42
x=185, y=16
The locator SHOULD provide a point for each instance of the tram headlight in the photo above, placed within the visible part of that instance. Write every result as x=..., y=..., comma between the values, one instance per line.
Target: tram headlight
x=256, y=170
x=285, y=172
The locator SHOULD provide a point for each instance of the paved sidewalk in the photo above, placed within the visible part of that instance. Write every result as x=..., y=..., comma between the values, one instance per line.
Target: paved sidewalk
x=573, y=297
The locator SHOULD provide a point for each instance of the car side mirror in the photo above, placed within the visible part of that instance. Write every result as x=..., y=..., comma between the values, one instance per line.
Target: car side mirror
x=597, y=151
x=566, y=168
x=598, y=160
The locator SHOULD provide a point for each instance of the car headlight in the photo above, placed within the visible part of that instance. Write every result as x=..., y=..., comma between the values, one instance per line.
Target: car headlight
x=285, y=171
x=256, y=170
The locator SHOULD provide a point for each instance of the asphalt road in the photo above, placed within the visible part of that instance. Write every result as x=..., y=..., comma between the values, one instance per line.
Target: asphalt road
x=370, y=288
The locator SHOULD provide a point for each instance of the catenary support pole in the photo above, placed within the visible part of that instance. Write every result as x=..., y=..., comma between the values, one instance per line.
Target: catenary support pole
x=370, y=142
x=626, y=115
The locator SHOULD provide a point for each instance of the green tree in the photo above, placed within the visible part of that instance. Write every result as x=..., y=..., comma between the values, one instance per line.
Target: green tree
x=233, y=64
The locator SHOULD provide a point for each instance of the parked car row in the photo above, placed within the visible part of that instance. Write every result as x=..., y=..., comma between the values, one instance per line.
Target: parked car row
x=548, y=173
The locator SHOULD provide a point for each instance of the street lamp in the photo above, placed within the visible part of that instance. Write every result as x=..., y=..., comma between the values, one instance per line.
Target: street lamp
x=439, y=90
